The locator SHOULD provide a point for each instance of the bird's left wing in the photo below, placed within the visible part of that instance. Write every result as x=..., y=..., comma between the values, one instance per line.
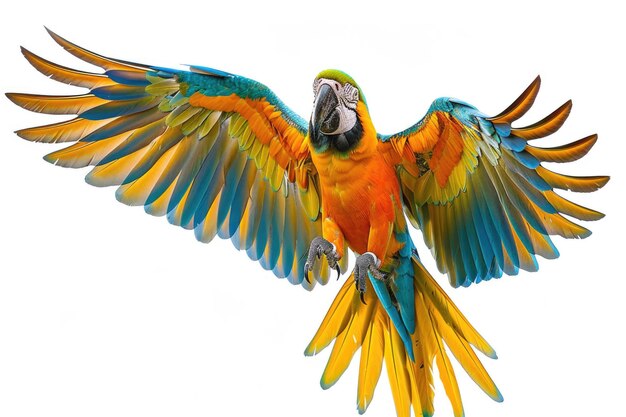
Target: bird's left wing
x=215, y=152
x=477, y=188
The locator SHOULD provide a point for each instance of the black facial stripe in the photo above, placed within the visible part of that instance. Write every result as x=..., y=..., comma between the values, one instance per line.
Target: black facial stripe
x=347, y=140
x=341, y=143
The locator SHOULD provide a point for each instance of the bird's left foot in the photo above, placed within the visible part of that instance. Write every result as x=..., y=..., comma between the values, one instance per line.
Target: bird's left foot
x=367, y=262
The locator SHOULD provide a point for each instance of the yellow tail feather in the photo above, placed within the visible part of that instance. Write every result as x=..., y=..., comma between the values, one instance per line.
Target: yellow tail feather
x=371, y=364
x=367, y=326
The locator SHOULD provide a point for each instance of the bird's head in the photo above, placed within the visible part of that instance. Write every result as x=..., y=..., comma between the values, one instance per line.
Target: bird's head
x=339, y=112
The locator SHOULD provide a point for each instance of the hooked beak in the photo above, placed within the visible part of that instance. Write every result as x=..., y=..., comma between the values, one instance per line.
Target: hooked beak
x=326, y=116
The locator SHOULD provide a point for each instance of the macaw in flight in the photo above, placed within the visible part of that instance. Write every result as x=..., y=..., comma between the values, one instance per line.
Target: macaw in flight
x=220, y=154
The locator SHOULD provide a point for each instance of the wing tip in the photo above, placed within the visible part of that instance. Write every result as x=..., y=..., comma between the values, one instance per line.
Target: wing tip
x=21, y=133
x=16, y=98
x=603, y=180
x=53, y=35
x=521, y=105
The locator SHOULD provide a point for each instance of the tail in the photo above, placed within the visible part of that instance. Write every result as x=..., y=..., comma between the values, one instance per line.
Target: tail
x=367, y=326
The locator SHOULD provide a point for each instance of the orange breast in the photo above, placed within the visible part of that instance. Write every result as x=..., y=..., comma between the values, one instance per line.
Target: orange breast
x=357, y=191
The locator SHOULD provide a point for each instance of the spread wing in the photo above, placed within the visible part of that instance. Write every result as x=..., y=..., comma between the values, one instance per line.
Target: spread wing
x=477, y=188
x=215, y=152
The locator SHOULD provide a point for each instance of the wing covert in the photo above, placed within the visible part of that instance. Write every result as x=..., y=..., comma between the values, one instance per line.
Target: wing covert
x=477, y=188
x=212, y=151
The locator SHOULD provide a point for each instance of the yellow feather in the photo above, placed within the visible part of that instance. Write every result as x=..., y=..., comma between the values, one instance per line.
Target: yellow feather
x=395, y=362
x=449, y=311
x=194, y=122
x=572, y=209
x=261, y=158
x=211, y=135
x=116, y=171
x=371, y=363
x=521, y=105
x=350, y=339
x=209, y=123
x=181, y=115
x=526, y=261
x=93, y=58
x=178, y=211
x=82, y=154
x=448, y=378
x=163, y=87
x=311, y=201
x=424, y=349
x=56, y=104
x=159, y=206
x=564, y=153
x=66, y=75
x=209, y=223
x=67, y=131
x=237, y=124
x=246, y=139
x=335, y=321
x=466, y=356
x=136, y=193
x=547, y=125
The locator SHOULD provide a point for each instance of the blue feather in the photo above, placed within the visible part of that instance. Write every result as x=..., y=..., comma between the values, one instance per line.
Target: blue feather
x=504, y=130
x=119, y=108
x=234, y=177
x=206, y=184
x=485, y=235
x=124, y=124
x=114, y=92
x=133, y=78
x=137, y=140
x=512, y=142
x=241, y=198
x=382, y=292
x=210, y=71
x=527, y=159
x=289, y=237
x=404, y=293
x=191, y=164
x=257, y=196
x=276, y=230
x=256, y=251
x=496, y=214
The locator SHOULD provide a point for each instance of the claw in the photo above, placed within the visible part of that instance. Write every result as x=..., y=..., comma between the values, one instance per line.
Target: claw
x=362, y=297
x=366, y=263
x=320, y=246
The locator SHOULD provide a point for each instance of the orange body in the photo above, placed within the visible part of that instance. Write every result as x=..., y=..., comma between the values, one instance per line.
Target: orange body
x=360, y=197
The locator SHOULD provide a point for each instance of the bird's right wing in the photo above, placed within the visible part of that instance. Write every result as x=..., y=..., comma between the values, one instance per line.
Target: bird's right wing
x=478, y=189
x=215, y=152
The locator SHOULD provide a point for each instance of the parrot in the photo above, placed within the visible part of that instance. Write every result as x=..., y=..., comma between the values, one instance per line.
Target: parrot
x=222, y=155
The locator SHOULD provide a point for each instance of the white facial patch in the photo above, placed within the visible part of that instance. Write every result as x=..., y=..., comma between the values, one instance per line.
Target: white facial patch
x=348, y=96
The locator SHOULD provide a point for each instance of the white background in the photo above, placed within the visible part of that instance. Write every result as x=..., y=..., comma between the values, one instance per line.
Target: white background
x=105, y=311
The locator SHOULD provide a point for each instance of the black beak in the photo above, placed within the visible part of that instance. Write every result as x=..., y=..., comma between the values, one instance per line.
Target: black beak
x=325, y=114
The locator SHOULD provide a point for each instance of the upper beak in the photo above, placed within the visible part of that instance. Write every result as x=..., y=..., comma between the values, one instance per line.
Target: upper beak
x=326, y=116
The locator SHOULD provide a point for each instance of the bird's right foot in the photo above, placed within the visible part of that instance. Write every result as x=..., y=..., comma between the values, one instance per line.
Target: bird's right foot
x=320, y=246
